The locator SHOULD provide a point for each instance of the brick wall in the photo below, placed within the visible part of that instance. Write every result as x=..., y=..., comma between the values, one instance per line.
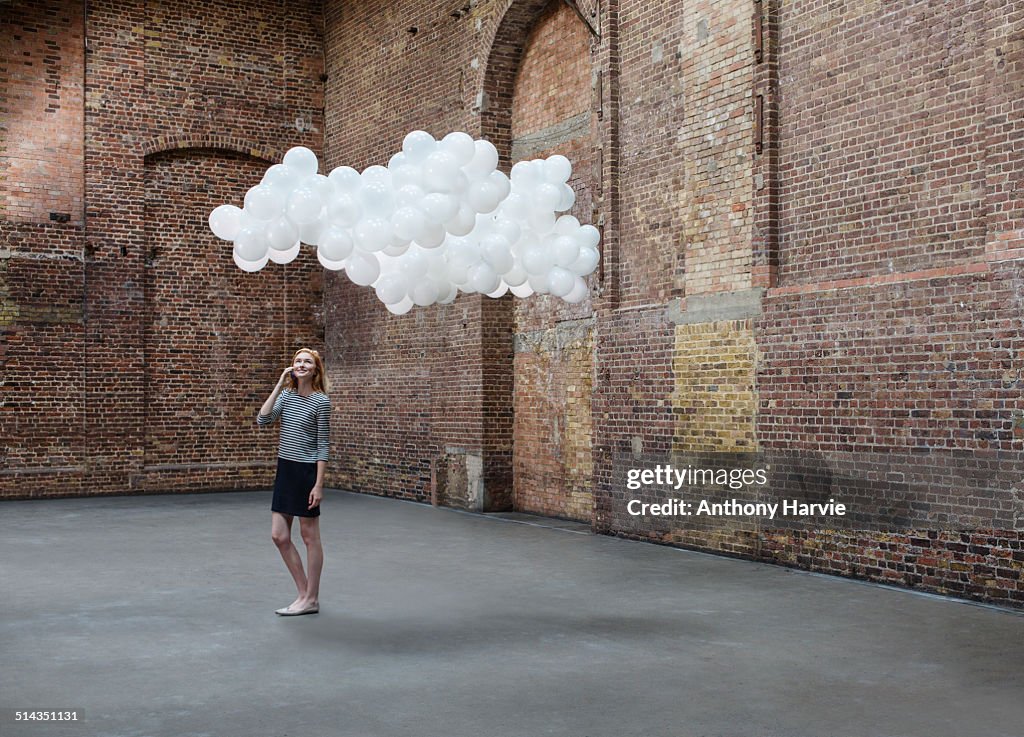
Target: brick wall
x=119, y=331
x=848, y=294
x=552, y=112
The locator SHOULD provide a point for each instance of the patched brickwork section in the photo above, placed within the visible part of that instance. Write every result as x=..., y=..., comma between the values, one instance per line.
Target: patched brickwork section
x=884, y=120
x=553, y=422
x=685, y=136
x=714, y=400
x=42, y=68
x=632, y=406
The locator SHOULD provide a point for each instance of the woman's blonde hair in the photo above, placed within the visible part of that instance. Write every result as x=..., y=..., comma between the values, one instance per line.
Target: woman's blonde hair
x=320, y=381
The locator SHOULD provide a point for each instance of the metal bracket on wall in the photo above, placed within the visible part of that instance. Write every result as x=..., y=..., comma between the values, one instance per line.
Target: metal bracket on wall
x=758, y=32
x=759, y=123
x=586, y=21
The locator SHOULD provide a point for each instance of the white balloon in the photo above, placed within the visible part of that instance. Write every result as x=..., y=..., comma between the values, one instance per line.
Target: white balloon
x=439, y=207
x=541, y=221
x=515, y=207
x=282, y=234
x=264, y=202
x=362, y=268
x=282, y=178
x=515, y=276
x=407, y=175
x=525, y=176
x=249, y=266
x=538, y=283
x=457, y=272
x=414, y=264
x=284, y=256
x=408, y=222
x=483, y=279
x=345, y=179
x=440, y=172
x=251, y=243
x=537, y=260
x=375, y=174
x=396, y=249
x=409, y=195
x=497, y=252
x=417, y=146
x=323, y=186
x=565, y=250
x=568, y=198
x=225, y=222
x=401, y=307
x=588, y=235
x=302, y=160
x=335, y=243
x=460, y=146
x=499, y=292
x=304, y=205
x=462, y=251
x=566, y=225
x=560, y=281
x=499, y=180
x=310, y=232
x=579, y=292
x=508, y=228
x=586, y=262
x=463, y=222
x=522, y=290
x=344, y=209
x=483, y=196
x=484, y=161
x=425, y=292
x=377, y=199
x=373, y=234
x=327, y=263
x=397, y=161
x=557, y=169
x=546, y=196
x=447, y=292
x=391, y=288
x=432, y=236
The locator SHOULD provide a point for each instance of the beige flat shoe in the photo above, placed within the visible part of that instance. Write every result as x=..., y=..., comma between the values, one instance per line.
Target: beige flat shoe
x=286, y=612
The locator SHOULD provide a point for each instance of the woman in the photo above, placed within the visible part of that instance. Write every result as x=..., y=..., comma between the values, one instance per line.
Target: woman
x=300, y=400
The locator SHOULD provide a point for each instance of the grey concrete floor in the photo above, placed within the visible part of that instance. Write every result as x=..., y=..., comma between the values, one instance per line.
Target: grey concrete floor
x=154, y=616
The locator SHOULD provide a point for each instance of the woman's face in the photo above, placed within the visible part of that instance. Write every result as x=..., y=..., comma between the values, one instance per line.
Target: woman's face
x=304, y=365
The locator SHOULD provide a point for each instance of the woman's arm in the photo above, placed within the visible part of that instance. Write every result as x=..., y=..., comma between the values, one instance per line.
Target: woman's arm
x=317, y=492
x=266, y=414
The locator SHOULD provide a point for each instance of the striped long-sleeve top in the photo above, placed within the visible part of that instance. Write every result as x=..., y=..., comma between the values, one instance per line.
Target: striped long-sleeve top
x=305, y=426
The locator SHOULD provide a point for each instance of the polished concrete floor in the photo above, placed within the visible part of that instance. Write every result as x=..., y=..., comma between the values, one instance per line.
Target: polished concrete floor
x=155, y=616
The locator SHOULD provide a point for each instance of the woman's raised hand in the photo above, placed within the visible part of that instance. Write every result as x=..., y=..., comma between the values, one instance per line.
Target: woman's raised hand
x=284, y=377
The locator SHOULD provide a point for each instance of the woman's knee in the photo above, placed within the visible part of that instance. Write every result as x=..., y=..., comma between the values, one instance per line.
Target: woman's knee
x=310, y=534
x=281, y=538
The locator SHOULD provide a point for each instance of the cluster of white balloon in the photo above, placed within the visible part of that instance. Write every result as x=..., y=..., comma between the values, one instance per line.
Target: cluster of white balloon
x=440, y=218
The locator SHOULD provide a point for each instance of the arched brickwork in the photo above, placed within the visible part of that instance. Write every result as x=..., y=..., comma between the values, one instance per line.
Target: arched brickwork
x=165, y=144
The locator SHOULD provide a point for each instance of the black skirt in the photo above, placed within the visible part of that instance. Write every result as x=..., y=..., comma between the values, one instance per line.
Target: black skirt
x=291, y=488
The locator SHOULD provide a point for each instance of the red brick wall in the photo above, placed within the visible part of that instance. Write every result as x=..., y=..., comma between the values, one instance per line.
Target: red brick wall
x=883, y=219
x=552, y=107
x=109, y=327
x=41, y=97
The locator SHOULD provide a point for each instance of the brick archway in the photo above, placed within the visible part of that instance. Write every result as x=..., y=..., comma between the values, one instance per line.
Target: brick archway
x=163, y=144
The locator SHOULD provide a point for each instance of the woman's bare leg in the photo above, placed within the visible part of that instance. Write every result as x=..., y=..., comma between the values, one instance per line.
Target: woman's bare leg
x=281, y=533
x=310, y=529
